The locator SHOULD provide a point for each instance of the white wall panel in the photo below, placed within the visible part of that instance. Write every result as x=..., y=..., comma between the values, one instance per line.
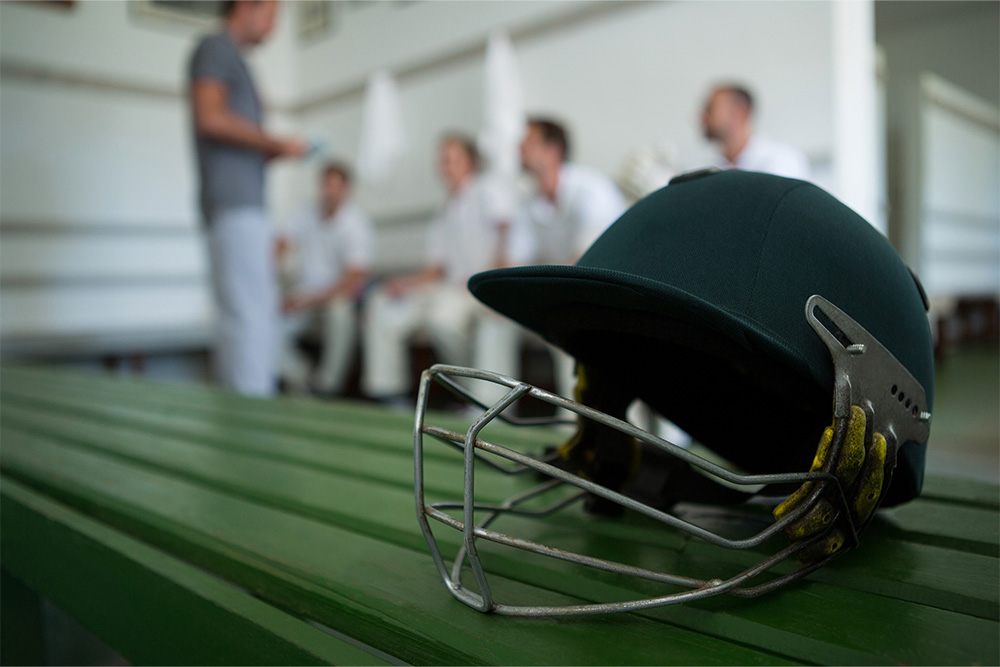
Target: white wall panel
x=97, y=310
x=960, y=208
x=72, y=155
x=66, y=257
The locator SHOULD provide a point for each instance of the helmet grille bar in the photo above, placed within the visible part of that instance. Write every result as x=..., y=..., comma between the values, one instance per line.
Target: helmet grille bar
x=476, y=450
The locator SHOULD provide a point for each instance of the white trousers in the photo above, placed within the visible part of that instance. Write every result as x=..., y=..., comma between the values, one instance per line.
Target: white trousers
x=461, y=330
x=338, y=324
x=246, y=299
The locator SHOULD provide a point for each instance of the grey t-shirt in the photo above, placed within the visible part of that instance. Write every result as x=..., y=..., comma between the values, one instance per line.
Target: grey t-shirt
x=230, y=176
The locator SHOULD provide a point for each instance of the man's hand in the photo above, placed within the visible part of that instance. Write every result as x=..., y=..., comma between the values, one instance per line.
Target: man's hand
x=298, y=302
x=286, y=147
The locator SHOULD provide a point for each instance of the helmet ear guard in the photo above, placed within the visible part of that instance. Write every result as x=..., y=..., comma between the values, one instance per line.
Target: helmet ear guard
x=878, y=406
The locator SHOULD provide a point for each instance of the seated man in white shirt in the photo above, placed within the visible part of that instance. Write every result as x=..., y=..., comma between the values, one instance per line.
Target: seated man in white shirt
x=728, y=119
x=470, y=235
x=333, y=242
x=571, y=206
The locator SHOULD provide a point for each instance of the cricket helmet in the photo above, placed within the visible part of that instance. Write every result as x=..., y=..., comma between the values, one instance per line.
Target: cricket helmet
x=744, y=308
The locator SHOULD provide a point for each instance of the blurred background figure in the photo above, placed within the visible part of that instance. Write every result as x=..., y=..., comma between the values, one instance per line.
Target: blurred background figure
x=326, y=253
x=571, y=206
x=473, y=233
x=232, y=149
x=728, y=120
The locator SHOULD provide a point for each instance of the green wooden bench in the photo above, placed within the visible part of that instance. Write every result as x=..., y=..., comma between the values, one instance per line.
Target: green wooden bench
x=185, y=525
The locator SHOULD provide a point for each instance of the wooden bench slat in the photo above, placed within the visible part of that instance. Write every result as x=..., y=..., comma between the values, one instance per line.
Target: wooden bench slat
x=295, y=415
x=967, y=491
x=946, y=524
x=833, y=621
x=358, y=465
x=310, y=491
x=851, y=571
x=960, y=527
x=395, y=600
x=328, y=419
x=334, y=425
x=143, y=601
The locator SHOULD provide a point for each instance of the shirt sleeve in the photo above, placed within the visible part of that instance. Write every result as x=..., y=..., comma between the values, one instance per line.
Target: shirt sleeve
x=436, y=248
x=791, y=163
x=600, y=205
x=522, y=246
x=211, y=60
x=499, y=199
x=295, y=226
x=361, y=242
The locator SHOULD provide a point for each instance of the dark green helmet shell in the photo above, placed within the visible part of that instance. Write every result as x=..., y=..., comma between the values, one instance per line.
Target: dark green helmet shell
x=694, y=302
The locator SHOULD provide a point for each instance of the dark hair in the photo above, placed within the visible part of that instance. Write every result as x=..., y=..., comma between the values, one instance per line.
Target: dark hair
x=227, y=7
x=741, y=93
x=467, y=144
x=339, y=168
x=553, y=133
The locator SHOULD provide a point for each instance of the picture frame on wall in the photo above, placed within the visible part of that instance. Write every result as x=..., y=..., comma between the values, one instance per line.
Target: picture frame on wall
x=191, y=14
x=315, y=18
x=50, y=4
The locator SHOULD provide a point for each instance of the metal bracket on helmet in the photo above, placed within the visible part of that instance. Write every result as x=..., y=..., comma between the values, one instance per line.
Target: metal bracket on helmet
x=867, y=374
x=857, y=383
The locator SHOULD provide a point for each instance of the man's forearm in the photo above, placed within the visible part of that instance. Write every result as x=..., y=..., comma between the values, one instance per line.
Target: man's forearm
x=233, y=129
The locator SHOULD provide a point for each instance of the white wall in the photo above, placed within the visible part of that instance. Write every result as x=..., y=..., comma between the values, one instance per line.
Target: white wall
x=633, y=75
x=99, y=154
x=100, y=237
x=960, y=43
x=960, y=192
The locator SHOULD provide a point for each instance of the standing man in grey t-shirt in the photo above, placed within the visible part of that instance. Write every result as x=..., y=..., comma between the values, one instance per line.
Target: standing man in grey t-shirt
x=232, y=149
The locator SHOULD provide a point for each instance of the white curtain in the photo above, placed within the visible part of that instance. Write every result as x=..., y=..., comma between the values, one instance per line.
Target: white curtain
x=382, y=137
x=503, y=108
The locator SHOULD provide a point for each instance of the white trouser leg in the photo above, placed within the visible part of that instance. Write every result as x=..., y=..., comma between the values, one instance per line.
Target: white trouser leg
x=451, y=312
x=564, y=367
x=565, y=371
x=339, y=337
x=240, y=252
x=294, y=365
x=390, y=323
x=497, y=348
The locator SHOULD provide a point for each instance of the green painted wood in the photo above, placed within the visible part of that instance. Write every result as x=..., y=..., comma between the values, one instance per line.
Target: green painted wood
x=150, y=606
x=966, y=491
x=956, y=584
x=344, y=422
x=907, y=571
x=310, y=417
x=388, y=596
x=959, y=588
x=337, y=423
x=22, y=627
x=229, y=464
x=948, y=525
x=828, y=612
x=966, y=528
